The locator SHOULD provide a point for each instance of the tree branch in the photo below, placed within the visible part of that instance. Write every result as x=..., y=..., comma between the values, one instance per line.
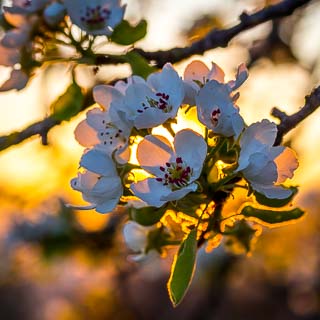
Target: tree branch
x=287, y=123
x=218, y=38
x=38, y=128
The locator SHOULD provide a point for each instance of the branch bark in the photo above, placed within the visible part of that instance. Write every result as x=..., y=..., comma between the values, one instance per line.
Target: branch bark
x=287, y=123
x=40, y=128
x=217, y=37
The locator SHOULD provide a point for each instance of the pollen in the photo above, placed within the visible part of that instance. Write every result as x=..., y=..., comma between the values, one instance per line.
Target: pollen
x=176, y=174
x=95, y=17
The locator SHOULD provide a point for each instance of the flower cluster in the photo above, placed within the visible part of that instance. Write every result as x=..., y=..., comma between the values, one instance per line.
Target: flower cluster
x=30, y=25
x=172, y=179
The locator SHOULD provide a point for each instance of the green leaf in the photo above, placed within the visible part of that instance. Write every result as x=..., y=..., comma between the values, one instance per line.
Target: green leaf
x=183, y=268
x=271, y=216
x=125, y=34
x=147, y=216
x=68, y=104
x=276, y=203
x=139, y=65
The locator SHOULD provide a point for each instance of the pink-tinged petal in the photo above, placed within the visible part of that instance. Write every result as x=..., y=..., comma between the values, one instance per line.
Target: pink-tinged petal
x=192, y=148
x=85, y=181
x=180, y=193
x=264, y=131
x=18, y=80
x=286, y=163
x=85, y=135
x=153, y=152
x=98, y=162
x=216, y=73
x=122, y=155
x=241, y=77
x=104, y=95
x=196, y=70
x=150, y=118
x=9, y=56
x=97, y=119
x=151, y=191
x=15, y=38
x=272, y=192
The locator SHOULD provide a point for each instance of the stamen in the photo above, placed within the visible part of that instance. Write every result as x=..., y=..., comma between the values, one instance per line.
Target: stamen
x=176, y=174
x=95, y=17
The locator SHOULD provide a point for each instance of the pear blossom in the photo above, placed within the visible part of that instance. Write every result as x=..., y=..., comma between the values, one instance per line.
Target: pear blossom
x=26, y=6
x=174, y=168
x=99, y=183
x=136, y=238
x=217, y=111
x=198, y=74
x=96, y=17
x=154, y=101
x=107, y=129
x=264, y=165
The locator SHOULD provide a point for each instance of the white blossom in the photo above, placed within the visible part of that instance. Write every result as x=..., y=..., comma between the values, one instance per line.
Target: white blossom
x=262, y=164
x=152, y=102
x=99, y=183
x=96, y=17
x=174, y=168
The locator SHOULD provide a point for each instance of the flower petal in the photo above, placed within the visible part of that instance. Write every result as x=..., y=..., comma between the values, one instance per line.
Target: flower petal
x=241, y=77
x=272, y=192
x=180, y=193
x=286, y=163
x=153, y=152
x=261, y=170
x=192, y=148
x=168, y=81
x=264, y=131
x=104, y=95
x=18, y=80
x=98, y=162
x=86, y=135
x=196, y=70
x=151, y=191
x=135, y=236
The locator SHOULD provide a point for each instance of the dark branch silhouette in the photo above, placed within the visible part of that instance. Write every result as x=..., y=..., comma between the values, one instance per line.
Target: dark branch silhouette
x=287, y=123
x=217, y=37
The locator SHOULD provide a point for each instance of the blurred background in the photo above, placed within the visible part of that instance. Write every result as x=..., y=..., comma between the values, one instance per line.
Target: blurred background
x=62, y=264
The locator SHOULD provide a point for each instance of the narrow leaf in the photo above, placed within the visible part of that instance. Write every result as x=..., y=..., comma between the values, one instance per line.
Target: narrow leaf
x=69, y=103
x=271, y=216
x=125, y=34
x=183, y=268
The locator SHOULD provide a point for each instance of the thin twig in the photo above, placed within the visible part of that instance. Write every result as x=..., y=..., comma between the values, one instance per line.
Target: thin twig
x=218, y=37
x=287, y=123
x=40, y=128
